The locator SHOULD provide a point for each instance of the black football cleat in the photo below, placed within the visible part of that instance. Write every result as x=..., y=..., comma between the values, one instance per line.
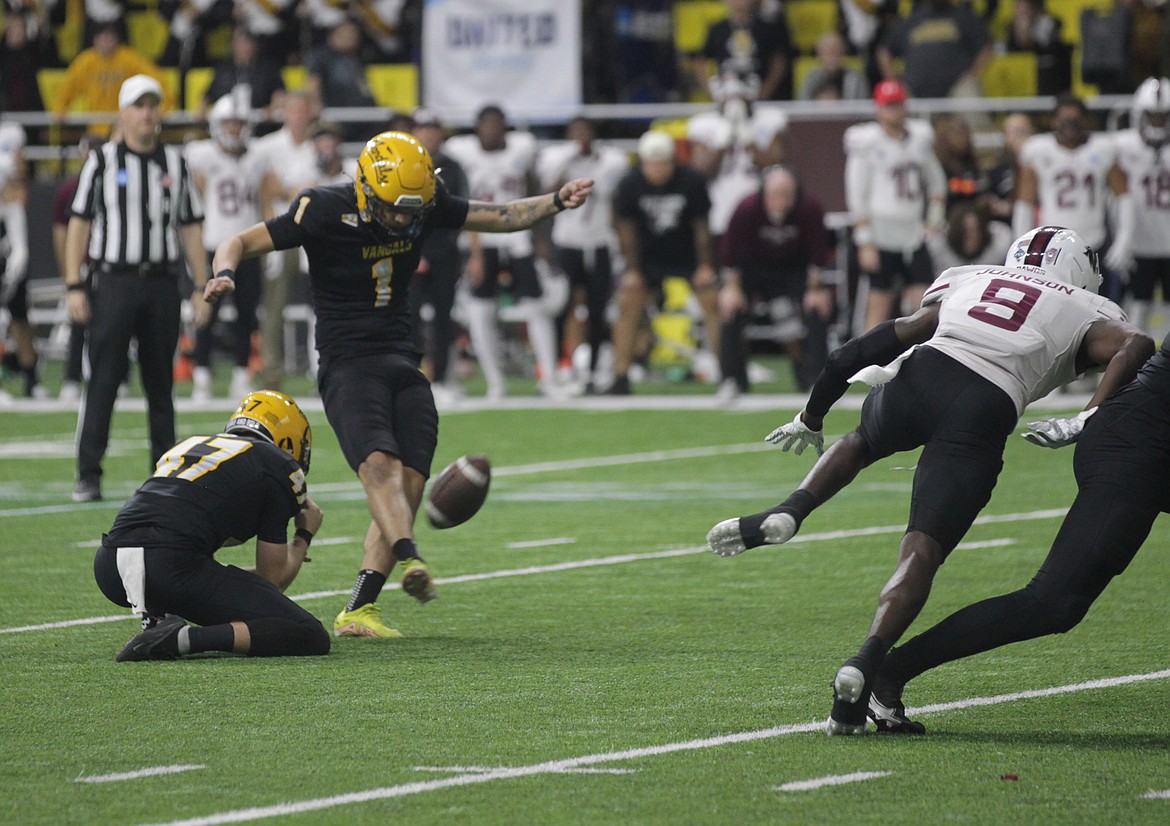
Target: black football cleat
x=159, y=642
x=850, y=701
x=887, y=711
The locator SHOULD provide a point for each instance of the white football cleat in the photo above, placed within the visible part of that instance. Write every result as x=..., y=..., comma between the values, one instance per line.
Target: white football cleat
x=726, y=539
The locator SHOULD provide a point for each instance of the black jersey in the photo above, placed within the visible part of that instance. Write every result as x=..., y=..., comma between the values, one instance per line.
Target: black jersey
x=664, y=216
x=360, y=274
x=1155, y=373
x=210, y=490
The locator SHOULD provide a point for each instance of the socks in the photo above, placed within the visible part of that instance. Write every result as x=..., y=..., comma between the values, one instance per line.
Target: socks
x=193, y=639
x=366, y=588
x=799, y=505
x=405, y=549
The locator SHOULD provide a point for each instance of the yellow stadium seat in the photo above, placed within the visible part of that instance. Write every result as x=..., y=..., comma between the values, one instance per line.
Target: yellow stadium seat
x=1079, y=87
x=808, y=20
x=68, y=34
x=49, y=82
x=1068, y=12
x=148, y=32
x=195, y=85
x=394, y=85
x=1010, y=75
x=294, y=77
x=692, y=18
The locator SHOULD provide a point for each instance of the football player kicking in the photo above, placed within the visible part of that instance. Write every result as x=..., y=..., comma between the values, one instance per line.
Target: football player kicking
x=208, y=492
x=993, y=340
x=363, y=244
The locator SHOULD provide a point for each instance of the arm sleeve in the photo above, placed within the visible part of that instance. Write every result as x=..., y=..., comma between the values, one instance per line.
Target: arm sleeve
x=450, y=211
x=880, y=345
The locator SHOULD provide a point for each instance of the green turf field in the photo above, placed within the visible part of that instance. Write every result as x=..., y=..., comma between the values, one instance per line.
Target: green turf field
x=586, y=662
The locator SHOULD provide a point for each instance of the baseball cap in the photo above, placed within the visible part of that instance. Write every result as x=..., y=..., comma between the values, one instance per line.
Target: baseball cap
x=656, y=146
x=889, y=91
x=425, y=117
x=135, y=87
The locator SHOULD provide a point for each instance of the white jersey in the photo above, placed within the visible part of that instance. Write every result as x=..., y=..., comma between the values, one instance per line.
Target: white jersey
x=231, y=189
x=888, y=181
x=1019, y=330
x=1072, y=184
x=295, y=165
x=11, y=143
x=1148, y=172
x=737, y=177
x=591, y=225
x=497, y=177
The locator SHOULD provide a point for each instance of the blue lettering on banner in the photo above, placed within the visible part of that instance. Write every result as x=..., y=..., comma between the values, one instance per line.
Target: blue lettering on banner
x=525, y=30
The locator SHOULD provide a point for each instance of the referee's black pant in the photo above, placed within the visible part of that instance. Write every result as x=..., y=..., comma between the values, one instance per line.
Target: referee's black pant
x=126, y=306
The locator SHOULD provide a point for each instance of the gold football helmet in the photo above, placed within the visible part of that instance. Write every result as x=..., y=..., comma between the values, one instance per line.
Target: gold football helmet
x=395, y=183
x=275, y=417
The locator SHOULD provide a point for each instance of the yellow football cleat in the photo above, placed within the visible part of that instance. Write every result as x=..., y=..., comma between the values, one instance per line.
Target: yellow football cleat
x=363, y=622
x=417, y=581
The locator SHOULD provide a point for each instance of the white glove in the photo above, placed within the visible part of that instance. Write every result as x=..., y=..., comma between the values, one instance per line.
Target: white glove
x=1118, y=258
x=796, y=436
x=1055, y=432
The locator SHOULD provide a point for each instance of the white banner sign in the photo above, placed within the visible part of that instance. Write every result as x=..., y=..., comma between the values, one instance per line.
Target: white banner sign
x=524, y=55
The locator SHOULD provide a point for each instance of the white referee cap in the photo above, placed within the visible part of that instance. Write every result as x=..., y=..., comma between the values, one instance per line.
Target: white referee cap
x=135, y=87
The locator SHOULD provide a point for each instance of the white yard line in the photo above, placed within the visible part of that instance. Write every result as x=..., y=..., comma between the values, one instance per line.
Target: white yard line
x=542, y=543
x=485, y=769
x=831, y=780
x=1157, y=795
x=581, y=563
x=134, y=775
x=556, y=766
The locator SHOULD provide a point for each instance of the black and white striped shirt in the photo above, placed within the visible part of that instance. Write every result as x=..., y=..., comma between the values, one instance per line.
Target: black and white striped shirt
x=136, y=204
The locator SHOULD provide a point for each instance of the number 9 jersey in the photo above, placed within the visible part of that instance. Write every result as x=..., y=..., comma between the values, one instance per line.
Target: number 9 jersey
x=1018, y=329
x=359, y=272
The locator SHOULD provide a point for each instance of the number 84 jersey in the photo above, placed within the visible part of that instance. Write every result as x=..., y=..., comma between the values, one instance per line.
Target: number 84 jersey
x=1018, y=329
x=230, y=189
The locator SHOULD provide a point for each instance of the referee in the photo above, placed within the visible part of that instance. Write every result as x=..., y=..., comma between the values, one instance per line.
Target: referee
x=138, y=211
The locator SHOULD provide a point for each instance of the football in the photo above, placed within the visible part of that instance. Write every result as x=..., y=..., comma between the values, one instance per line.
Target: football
x=459, y=491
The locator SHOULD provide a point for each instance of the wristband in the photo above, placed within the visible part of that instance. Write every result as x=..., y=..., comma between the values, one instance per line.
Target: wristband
x=305, y=534
x=557, y=202
x=230, y=275
x=77, y=285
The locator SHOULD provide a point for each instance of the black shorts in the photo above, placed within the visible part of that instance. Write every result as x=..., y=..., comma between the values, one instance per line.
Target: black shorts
x=962, y=422
x=903, y=268
x=18, y=304
x=522, y=270
x=585, y=266
x=196, y=587
x=380, y=402
x=1148, y=273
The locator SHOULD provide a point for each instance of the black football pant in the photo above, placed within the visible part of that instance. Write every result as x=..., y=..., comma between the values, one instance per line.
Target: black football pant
x=124, y=307
x=436, y=287
x=1122, y=465
x=246, y=298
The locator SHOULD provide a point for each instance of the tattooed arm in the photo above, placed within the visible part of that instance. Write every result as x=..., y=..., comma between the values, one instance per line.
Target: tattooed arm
x=523, y=213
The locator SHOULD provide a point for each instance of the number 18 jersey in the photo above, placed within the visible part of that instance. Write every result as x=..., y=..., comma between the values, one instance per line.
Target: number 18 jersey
x=1018, y=329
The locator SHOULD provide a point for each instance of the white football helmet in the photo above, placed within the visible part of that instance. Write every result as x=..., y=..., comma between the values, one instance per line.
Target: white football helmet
x=1151, y=111
x=1058, y=253
x=227, y=109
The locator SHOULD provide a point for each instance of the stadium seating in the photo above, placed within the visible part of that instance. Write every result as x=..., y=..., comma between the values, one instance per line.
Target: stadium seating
x=1010, y=75
x=692, y=18
x=808, y=20
x=147, y=33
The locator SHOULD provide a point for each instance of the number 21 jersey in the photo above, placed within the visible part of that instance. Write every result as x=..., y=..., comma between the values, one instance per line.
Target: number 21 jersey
x=1018, y=329
x=1072, y=184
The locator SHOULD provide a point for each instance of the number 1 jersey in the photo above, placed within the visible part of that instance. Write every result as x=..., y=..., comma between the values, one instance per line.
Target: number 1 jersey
x=1018, y=329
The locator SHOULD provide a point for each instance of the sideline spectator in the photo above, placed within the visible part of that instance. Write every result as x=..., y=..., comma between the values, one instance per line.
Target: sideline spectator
x=661, y=212
x=96, y=75
x=1004, y=174
x=773, y=254
x=336, y=75
x=14, y=257
x=954, y=146
x=21, y=57
x=136, y=249
x=971, y=238
x=440, y=267
x=831, y=79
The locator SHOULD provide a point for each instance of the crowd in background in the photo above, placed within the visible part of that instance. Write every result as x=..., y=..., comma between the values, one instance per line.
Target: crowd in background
x=706, y=246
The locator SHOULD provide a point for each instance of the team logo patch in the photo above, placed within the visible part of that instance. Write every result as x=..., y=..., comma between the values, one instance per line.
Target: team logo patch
x=166, y=181
x=123, y=177
x=350, y=219
x=1020, y=252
